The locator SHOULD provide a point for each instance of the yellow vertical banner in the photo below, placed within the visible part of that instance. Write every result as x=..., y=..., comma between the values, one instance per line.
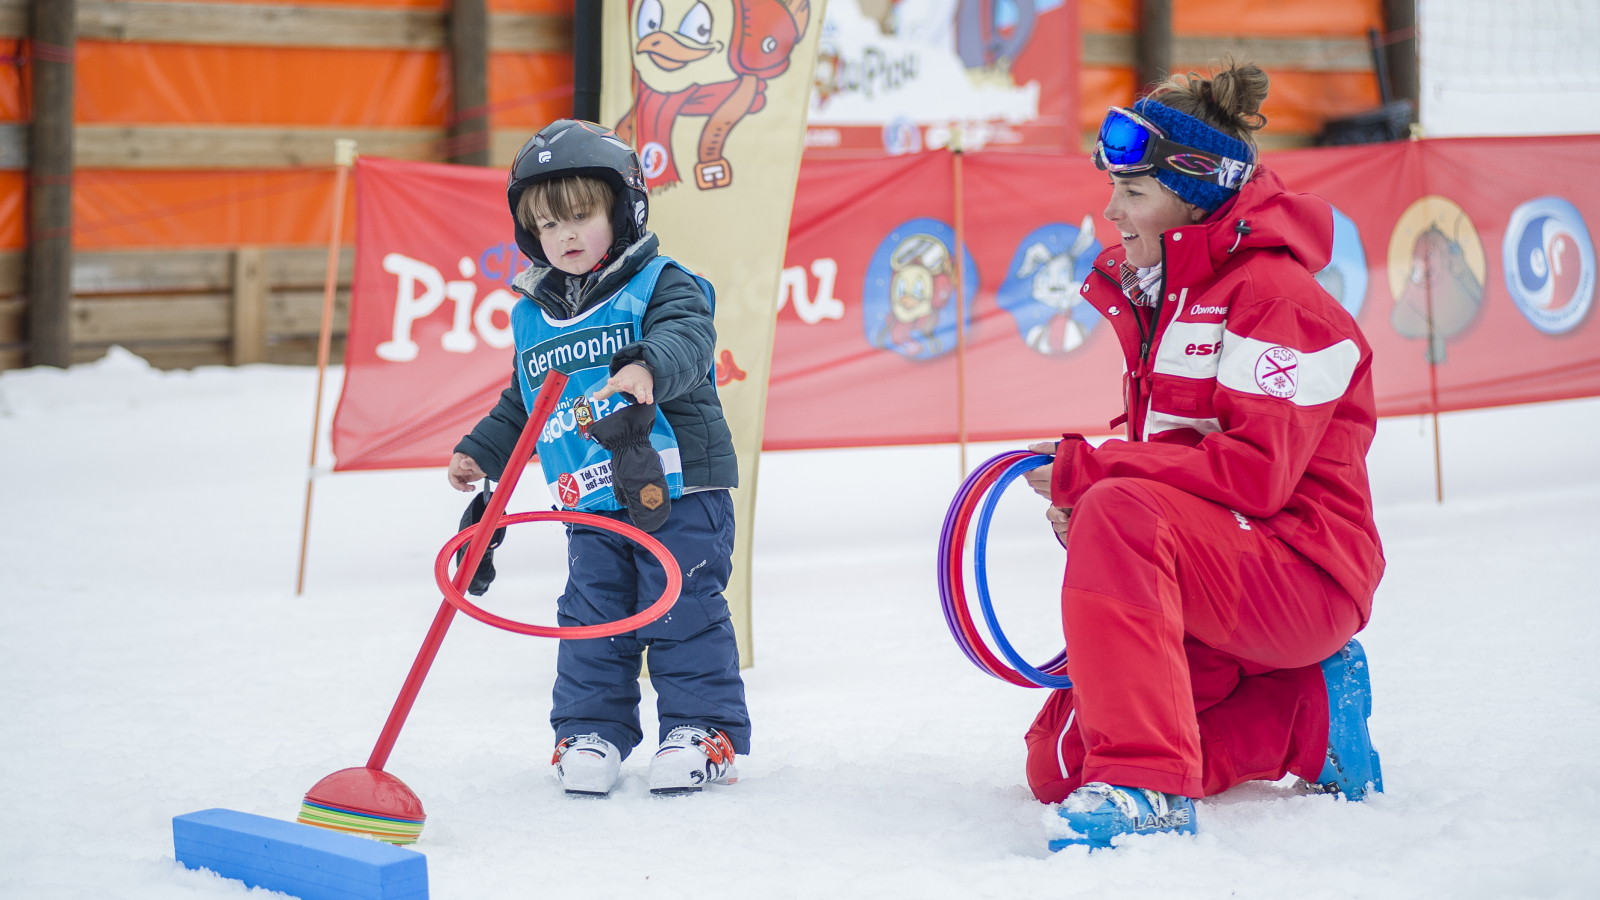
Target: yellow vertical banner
x=713, y=94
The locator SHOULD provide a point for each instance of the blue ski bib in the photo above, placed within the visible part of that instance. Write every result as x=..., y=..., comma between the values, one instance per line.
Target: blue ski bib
x=577, y=468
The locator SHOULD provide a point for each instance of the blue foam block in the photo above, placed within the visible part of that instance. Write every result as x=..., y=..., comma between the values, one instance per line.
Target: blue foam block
x=300, y=860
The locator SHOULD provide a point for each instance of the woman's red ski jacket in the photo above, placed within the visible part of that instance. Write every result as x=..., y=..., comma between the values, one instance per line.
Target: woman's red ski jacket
x=1247, y=384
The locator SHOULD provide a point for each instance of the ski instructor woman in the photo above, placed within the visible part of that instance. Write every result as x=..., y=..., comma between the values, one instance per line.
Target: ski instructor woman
x=1227, y=547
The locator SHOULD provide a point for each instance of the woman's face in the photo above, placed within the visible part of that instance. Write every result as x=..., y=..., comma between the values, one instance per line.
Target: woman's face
x=1142, y=209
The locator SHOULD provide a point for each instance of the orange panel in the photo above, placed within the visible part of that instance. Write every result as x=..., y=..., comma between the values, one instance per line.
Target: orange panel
x=1302, y=101
x=179, y=83
x=1108, y=15
x=1285, y=17
x=1297, y=102
x=563, y=7
x=13, y=200
x=393, y=4
x=186, y=209
x=557, y=7
x=14, y=89
x=1099, y=88
x=529, y=90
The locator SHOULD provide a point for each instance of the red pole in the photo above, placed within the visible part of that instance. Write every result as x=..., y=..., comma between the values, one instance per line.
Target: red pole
x=549, y=394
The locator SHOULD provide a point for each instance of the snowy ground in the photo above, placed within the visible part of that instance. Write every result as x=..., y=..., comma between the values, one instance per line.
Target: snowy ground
x=154, y=661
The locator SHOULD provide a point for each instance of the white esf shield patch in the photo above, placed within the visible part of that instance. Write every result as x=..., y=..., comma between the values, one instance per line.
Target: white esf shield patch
x=544, y=156
x=1276, y=373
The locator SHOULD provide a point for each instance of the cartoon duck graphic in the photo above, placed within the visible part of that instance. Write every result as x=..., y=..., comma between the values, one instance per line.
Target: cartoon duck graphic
x=1055, y=285
x=703, y=58
x=1441, y=284
x=990, y=33
x=921, y=286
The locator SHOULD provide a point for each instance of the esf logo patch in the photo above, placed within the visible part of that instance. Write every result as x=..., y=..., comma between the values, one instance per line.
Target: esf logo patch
x=1549, y=263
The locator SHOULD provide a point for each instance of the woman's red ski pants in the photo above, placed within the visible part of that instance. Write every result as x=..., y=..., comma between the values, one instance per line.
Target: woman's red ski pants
x=1194, y=637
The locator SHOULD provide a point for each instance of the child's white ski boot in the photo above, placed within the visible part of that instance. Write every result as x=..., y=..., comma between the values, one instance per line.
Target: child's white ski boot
x=587, y=764
x=691, y=758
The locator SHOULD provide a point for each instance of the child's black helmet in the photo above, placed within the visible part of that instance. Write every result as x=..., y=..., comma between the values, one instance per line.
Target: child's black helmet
x=568, y=147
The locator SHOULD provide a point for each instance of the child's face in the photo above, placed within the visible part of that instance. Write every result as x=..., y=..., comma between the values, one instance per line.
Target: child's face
x=575, y=245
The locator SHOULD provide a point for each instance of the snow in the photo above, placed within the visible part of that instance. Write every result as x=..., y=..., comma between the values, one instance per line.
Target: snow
x=154, y=660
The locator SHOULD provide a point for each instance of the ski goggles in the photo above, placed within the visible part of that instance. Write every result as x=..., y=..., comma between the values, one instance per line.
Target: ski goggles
x=1132, y=145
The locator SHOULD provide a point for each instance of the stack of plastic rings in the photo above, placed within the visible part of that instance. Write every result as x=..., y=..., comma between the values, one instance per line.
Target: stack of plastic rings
x=985, y=485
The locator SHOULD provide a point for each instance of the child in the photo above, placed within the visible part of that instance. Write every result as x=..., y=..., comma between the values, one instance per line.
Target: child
x=624, y=323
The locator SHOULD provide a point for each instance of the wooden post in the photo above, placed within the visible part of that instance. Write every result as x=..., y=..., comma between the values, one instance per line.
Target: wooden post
x=586, y=55
x=1435, y=352
x=49, y=283
x=344, y=156
x=469, y=69
x=1153, y=47
x=956, y=154
x=249, y=306
x=1400, y=21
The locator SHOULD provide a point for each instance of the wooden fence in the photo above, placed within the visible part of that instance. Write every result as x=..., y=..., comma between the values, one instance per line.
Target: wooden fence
x=186, y=308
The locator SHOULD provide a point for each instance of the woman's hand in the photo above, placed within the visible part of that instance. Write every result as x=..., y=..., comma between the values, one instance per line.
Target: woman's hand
x=463, y=472
x=1039, y=479
x=633, y=378
x=1058, y=521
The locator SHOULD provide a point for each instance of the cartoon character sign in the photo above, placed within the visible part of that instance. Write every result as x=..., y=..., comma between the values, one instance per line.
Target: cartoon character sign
x=1436, y=272
x=1549, y=262
x=990, y=33
x=906, y=302
x=1346, y=275
x=703, y=58
x=1043, y=287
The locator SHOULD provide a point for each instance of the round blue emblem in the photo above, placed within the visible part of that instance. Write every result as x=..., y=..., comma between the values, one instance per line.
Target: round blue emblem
x=1043, y=287
x=1346, y=275
x=907, y=299
x=1549, y=263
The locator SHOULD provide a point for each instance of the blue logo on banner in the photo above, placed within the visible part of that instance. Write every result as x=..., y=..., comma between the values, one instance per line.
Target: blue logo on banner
x=906, y=301
x=1346, y=275
x=1549, y=263
x=1043, y=287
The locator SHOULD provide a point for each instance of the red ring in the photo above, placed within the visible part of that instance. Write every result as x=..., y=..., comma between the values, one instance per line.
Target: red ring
x=669, y=595
x=958, y=544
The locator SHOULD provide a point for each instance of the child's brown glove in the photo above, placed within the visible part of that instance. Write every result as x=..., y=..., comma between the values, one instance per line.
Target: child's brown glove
x=637, y=479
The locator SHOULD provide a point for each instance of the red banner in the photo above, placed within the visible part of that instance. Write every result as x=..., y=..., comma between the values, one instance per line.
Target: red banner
x=429, y=346
x=866, y=344
x=866, y=341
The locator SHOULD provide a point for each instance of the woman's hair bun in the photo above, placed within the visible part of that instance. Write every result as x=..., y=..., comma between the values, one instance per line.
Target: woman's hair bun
x=1229, y=100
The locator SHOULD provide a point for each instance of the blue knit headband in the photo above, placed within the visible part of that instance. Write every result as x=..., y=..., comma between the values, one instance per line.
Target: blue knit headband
x=1186, y=129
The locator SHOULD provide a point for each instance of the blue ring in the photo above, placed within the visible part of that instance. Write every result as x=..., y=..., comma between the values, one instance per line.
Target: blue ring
x=980, y=554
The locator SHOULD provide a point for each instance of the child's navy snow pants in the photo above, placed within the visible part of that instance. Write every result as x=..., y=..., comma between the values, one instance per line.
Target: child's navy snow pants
x=694, y=660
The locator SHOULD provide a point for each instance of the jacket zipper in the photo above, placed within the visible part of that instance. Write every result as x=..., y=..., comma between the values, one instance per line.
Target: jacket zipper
x=1146, y=338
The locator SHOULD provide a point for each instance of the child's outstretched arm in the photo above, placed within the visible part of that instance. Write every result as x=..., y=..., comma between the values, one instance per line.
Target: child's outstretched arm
x=677, y=340
x=490, y=444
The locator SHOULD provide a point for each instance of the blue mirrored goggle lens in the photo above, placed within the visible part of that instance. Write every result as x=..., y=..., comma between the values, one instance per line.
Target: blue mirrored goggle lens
x=1124, y=140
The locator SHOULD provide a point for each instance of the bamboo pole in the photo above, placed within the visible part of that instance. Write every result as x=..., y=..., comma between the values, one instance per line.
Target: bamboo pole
x=1433, y=396
x=956, y=154
x=344, y=156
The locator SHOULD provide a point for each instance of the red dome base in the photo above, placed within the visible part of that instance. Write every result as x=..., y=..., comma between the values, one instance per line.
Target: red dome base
x=370, y=791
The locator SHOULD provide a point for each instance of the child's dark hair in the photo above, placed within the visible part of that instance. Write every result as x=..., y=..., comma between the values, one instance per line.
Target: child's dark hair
x=563, y=198
x=1229, y=101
